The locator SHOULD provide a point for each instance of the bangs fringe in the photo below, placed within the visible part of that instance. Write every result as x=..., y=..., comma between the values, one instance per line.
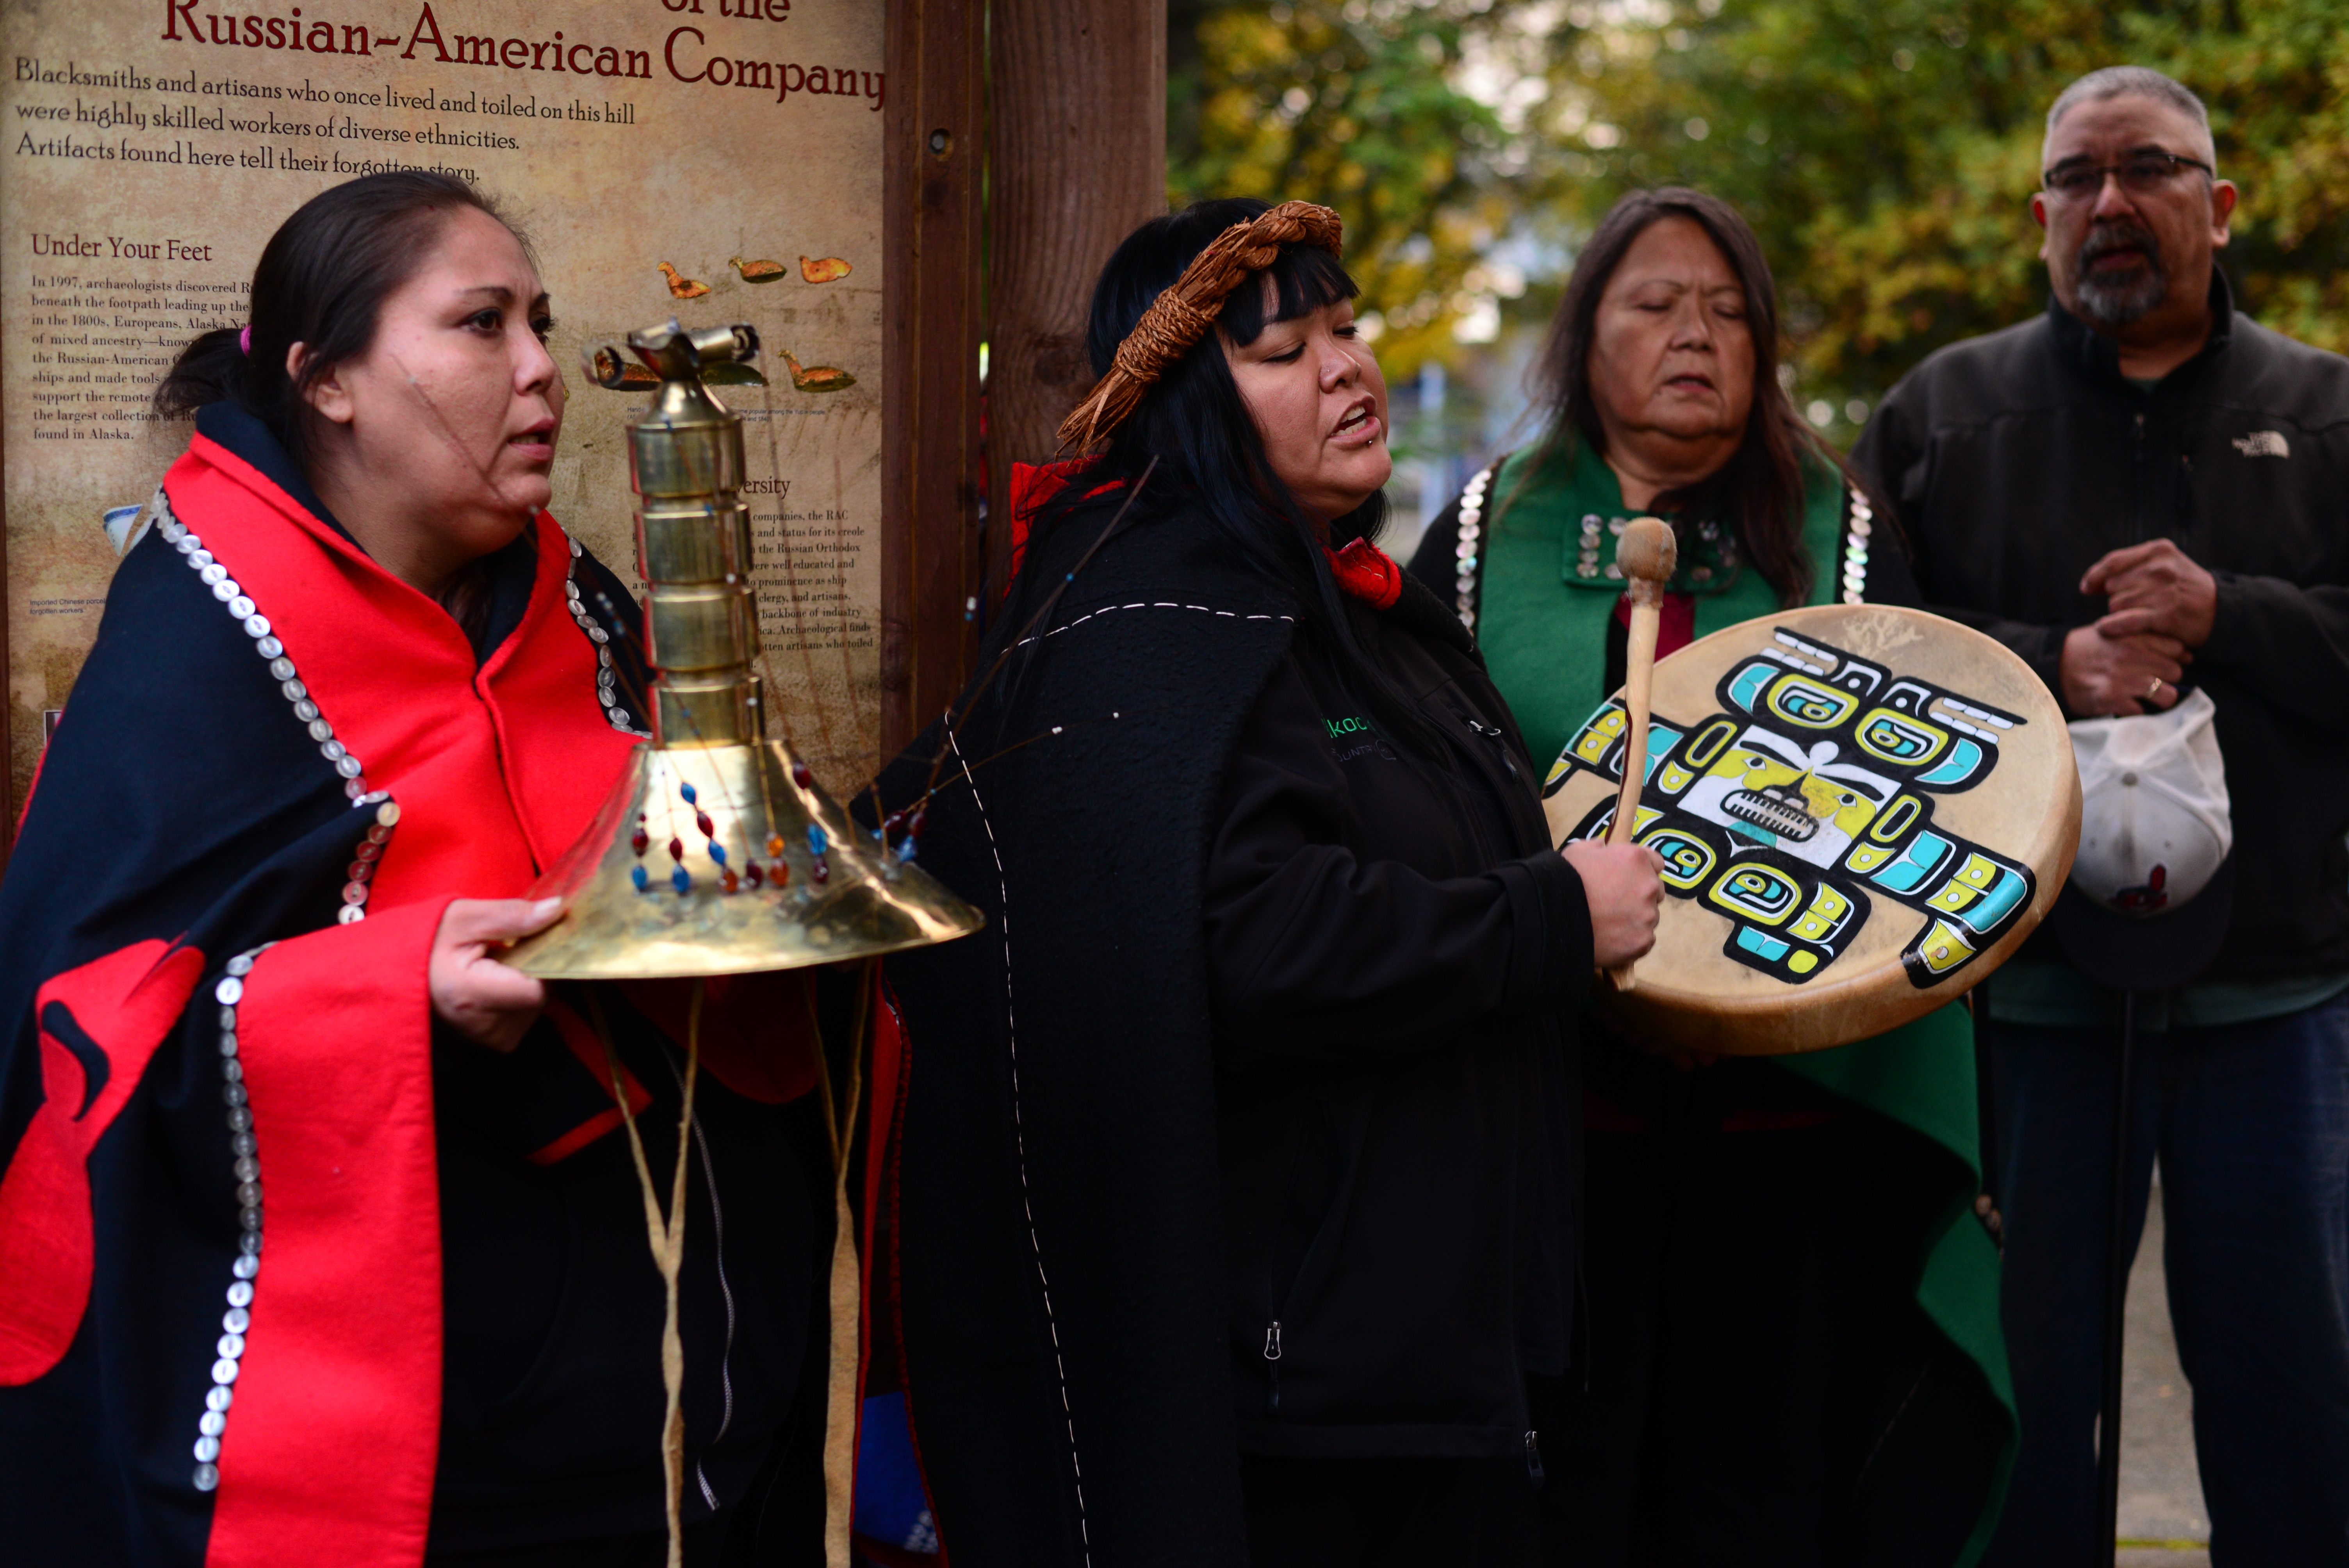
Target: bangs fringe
x=1305, y=279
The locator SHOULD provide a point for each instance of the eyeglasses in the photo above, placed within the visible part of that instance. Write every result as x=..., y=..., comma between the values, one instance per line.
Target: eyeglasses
x=2140, y=174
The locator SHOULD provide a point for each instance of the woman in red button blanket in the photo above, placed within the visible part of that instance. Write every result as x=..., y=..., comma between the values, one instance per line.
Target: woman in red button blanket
x=320, y=1245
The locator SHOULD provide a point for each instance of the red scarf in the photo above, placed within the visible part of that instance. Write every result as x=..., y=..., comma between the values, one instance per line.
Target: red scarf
x=1365, y=571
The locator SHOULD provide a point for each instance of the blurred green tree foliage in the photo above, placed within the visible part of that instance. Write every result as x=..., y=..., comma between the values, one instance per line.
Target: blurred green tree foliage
x=1884, y=149
x=1358, y=107
x=1887, y=151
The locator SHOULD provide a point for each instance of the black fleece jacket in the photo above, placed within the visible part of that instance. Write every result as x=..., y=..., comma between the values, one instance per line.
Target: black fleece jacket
x=2016, y=460
x=1392, y=950
x=1076, y=1215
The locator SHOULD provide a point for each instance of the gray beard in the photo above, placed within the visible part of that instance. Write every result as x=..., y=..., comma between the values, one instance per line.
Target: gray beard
x=2114, y=302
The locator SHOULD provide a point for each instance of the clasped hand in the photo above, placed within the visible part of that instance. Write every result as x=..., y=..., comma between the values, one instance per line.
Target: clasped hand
x=2160, y=608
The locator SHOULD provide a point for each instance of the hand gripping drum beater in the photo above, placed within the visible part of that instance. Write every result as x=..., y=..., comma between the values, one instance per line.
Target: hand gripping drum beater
x=716, y=852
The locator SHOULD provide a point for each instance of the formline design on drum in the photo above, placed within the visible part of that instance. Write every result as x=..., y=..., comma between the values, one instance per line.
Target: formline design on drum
x=1807, y=795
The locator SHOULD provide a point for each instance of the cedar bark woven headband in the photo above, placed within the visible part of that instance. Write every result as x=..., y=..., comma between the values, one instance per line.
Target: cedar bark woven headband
x=1180, y=316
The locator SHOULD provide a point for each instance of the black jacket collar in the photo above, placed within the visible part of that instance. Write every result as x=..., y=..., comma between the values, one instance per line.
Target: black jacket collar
x=1419, y=609
x=2094, y=356
x=244, y=436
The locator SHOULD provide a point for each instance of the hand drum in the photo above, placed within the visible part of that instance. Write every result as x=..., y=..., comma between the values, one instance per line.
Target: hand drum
x=1862, y=811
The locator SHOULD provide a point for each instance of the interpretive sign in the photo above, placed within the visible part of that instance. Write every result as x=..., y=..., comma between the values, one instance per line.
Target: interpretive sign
x=717, y=160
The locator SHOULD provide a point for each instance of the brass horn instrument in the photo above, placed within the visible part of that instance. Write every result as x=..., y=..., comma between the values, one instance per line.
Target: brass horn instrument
x=716, y=852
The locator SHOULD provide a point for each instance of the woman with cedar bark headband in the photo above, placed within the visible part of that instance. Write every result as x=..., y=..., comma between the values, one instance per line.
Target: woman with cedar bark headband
x=1794, y=1343
x=322, y=1244
x=1235, y=1195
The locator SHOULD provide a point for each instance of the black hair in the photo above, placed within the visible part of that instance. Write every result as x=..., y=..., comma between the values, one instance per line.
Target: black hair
x=1194, y=423
x=321, y=282
x=1759, y=490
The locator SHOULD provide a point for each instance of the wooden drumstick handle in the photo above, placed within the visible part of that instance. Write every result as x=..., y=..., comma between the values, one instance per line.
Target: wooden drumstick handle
x=1647, y=553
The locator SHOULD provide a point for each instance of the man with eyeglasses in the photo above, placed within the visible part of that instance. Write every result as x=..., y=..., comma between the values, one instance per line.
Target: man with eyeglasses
x=2143, y=488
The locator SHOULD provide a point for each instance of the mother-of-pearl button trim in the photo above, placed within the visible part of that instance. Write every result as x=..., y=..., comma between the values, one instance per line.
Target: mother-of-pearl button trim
x=608, y=676
x=1468, y=551
x=1854, y=583
x=1854, y=548
x=245, y=1154
x=225, y=589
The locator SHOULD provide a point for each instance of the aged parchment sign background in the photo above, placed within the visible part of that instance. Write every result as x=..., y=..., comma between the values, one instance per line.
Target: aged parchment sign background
x=652, y=149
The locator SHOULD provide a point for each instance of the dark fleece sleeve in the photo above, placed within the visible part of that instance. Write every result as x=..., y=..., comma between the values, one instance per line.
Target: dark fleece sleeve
x=2287, y=642
x=1891, y=457
x=1319, y=953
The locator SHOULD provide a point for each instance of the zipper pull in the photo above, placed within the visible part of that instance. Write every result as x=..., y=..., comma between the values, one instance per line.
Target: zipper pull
x=1500, y=743
x=1533, y=1457
x=1272, y=1355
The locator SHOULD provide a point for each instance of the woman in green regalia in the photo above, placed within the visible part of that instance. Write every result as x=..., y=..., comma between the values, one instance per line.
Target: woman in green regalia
x=1793, y=1352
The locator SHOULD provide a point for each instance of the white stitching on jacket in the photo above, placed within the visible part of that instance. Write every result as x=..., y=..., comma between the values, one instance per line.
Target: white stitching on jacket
x=1019, y=1137
x=1112, y=609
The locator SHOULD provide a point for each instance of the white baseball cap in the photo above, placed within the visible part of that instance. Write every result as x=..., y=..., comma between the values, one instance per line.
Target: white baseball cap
x=2154, y=818
x=2152, y=889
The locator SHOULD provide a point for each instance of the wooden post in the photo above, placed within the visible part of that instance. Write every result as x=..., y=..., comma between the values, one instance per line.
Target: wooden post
x=1078, y=157
x=930, y=507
